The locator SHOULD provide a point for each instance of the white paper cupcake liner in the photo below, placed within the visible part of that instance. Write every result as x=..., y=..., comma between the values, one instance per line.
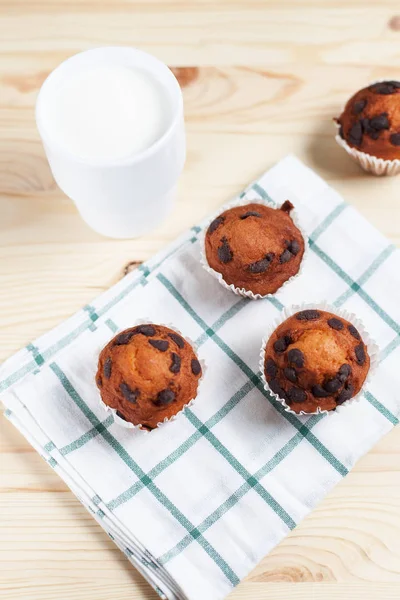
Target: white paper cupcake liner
x=127, y=424
x=218, y=276
x=368, y=162
x=372, y=347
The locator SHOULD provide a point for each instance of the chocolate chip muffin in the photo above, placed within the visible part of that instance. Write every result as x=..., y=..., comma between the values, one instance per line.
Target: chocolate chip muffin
x=315, y=359
x=255, y=247
x=147, y=373
x=370, y=121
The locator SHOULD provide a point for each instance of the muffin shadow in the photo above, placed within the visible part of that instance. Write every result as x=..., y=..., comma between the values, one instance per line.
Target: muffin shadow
x=324, y=153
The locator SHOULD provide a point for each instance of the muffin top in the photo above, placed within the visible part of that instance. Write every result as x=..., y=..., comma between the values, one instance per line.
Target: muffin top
x=255, y=247
x=147, y=373
x=315, y=359
x=370, y=121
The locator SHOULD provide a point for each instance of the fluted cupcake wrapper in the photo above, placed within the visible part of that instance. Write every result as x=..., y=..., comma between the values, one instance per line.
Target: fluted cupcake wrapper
x=128, y=424
x=368, y=162
x=372, y=347
x=219, y=277
x=371, y=164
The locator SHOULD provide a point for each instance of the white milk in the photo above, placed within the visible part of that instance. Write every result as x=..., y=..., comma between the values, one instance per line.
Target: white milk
x=108, y=112
x=112, y=126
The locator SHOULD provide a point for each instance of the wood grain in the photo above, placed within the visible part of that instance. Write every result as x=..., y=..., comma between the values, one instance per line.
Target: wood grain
x=260, y=79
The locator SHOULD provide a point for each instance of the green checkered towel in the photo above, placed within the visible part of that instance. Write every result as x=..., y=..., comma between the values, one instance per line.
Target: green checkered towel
x=197, y=503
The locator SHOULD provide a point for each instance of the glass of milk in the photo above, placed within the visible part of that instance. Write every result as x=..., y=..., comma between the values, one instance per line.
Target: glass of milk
x=111, y=122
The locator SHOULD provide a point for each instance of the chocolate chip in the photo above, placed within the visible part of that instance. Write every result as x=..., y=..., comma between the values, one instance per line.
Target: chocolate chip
x=360, y=353
x=164, y=397
x=374, y=135
x=176, y=363
x=124, y=338
x=385, y=87
x=382, y=88
x=121, y=416
x=99, y=381
x=225, y=253
x=260, y=266
x=296, y=394
x=378, y=87
x=308, y=315
x=287, y=206
x=250, y=213
x=355, y=134
x=319, y=392
x=276, y=388
x=380, y=122
x=354, y=332
x=374, y=126
x=282, y=343
x=147, y=330
x=332, y=385
x=107, y=368
x=290, y=374
x=195, y=366
x=345, y=394
x=271, y=369
x=359, y=106
x=335, y=324
x=177, y=339
x=365, y=124
x=395, y=139
x=215, y=224
x=344, y=372
x=128, y=393
x=296, y=357
x=294, y=247
x=285, y=256
x=161, y=345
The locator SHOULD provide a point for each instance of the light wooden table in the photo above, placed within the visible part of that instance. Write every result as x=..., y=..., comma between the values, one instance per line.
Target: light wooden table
x=261, y=79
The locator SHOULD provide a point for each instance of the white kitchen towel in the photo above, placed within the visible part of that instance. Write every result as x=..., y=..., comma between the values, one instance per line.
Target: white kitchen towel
x=198, y=502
